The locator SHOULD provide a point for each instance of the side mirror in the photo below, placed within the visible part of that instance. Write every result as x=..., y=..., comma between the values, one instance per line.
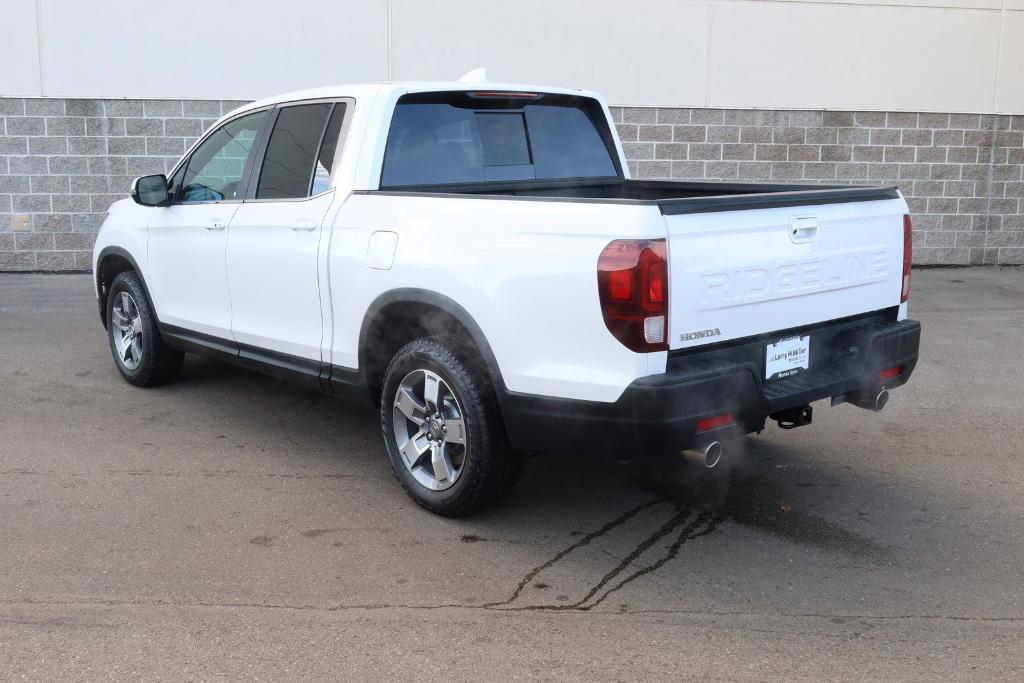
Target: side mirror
x=151, y=190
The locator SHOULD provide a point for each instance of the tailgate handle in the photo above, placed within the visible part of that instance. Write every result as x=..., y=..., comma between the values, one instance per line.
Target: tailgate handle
x=803, y=229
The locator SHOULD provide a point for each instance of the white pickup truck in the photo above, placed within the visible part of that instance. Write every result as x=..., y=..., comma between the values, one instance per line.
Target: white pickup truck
x=474, y=259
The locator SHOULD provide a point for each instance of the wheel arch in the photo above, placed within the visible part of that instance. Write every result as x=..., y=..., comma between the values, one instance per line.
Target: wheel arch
x=111, y=262
x=420, y=311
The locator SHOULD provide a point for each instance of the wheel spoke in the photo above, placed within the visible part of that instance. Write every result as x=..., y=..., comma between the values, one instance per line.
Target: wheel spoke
x=130, y=309
x=409, y=406
x=136, y=352
x=137, y=325
x=455, y=431
x=443, y=470
x=414, y=449
x=127, y=356
x=431, y=388
x=120, y=322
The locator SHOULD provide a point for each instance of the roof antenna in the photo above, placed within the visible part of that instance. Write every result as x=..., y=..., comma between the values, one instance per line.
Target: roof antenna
x=474, y=76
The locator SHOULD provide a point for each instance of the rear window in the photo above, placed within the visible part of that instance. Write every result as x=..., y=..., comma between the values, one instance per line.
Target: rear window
x=447, y=138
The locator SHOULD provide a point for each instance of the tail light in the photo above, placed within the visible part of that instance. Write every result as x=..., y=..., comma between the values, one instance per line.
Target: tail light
x=908, y=252
x=632, y=279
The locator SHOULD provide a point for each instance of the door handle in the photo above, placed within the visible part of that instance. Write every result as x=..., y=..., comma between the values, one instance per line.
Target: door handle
x=303, y=224
x=216, y=224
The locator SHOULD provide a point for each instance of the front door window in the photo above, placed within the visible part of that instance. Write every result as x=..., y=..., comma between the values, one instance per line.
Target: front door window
x=215, y=169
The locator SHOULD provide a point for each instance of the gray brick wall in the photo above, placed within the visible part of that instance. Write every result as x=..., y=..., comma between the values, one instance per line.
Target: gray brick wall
x=961, y=173
x=63, y=161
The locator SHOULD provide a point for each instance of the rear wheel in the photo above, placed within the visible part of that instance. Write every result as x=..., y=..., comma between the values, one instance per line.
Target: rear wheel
x=443, y=431
x=139, y=351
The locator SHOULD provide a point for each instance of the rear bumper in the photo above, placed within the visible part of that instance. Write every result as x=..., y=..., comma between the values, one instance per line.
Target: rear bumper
x=659, y=414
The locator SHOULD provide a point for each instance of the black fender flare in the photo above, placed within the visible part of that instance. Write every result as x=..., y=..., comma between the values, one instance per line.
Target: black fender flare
x=449, y=306
x=101, y=296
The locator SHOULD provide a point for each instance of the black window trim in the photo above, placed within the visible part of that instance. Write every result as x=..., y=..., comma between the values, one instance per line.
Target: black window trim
x=253, y=179
x=246, y=172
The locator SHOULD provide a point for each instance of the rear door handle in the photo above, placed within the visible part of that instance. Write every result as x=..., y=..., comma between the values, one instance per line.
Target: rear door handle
x=303, y=224
x=216, y=224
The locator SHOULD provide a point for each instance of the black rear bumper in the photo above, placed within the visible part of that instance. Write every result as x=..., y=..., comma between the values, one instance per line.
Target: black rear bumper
x=659, y=414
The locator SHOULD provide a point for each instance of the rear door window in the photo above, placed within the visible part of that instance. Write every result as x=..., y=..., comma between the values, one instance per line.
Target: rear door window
x=300, y=152
x=448, y=138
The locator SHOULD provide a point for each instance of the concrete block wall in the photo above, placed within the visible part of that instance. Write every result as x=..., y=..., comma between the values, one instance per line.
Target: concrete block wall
x=961, y=173
x=64, y=161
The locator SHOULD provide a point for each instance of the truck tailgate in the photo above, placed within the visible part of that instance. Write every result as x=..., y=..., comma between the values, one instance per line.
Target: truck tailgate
x=736, y=274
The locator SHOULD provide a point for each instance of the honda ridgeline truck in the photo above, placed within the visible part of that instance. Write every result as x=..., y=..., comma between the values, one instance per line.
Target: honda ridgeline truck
x=475, y=259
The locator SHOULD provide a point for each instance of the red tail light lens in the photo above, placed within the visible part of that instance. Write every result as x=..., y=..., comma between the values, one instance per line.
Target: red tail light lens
x=632, y=280
x=890, y=373
x=908, y=252
x=709, y=423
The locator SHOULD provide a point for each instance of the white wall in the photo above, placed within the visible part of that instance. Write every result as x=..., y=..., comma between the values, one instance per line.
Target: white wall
x=916, y=55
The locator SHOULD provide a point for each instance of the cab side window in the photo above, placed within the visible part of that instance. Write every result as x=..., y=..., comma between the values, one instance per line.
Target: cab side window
x=300, y=153
x=215, y=169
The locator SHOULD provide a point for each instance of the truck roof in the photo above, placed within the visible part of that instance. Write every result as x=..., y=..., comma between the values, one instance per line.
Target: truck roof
x=364, y=90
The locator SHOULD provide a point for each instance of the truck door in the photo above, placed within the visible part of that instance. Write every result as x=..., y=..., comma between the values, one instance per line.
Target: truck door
x=274, y=240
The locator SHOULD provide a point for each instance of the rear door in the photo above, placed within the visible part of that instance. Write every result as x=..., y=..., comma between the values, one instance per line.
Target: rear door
x=275, y=236
x=736, y=274
x=187, y=276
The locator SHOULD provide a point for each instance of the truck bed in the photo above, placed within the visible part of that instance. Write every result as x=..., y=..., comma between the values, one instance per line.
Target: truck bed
x=672, y=197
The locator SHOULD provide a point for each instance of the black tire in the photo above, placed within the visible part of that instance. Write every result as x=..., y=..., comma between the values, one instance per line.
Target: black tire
x=491, y=468
x=159, y=362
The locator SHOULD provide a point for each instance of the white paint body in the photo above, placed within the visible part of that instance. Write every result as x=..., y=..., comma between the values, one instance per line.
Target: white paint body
x=524, y=270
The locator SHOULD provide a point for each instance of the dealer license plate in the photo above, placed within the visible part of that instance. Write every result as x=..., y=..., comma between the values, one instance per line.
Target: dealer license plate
x=787, y=357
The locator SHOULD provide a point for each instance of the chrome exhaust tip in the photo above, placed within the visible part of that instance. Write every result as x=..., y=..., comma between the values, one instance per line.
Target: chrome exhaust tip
x=877, y=403
x=708, y=455
x=881, y=399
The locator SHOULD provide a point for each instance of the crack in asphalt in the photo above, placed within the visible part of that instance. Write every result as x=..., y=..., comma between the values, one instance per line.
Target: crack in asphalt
x=49, y=602
x=585, y=540
x=667, y=528
x=688, y=532
x=674, y=523
x=234, y=474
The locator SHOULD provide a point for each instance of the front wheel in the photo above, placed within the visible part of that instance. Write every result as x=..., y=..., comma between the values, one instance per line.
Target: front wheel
x=139, y=351
x=443, y=431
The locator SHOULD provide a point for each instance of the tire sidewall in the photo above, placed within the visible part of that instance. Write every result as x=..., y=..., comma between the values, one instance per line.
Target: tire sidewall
x=129, y=282
x=423, y=357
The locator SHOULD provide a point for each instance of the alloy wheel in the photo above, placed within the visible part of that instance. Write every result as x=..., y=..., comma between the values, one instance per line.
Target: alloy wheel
x=127, y=330
x=430, y=430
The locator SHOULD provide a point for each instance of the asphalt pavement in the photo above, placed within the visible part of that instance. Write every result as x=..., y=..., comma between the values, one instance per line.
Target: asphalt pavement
x=229, y=525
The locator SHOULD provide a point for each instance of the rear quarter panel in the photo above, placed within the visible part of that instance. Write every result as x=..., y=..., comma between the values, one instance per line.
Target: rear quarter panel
x=525, y=270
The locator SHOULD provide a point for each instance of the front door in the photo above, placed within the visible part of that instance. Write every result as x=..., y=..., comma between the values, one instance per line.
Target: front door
x=275, y=237
x=188, y=239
